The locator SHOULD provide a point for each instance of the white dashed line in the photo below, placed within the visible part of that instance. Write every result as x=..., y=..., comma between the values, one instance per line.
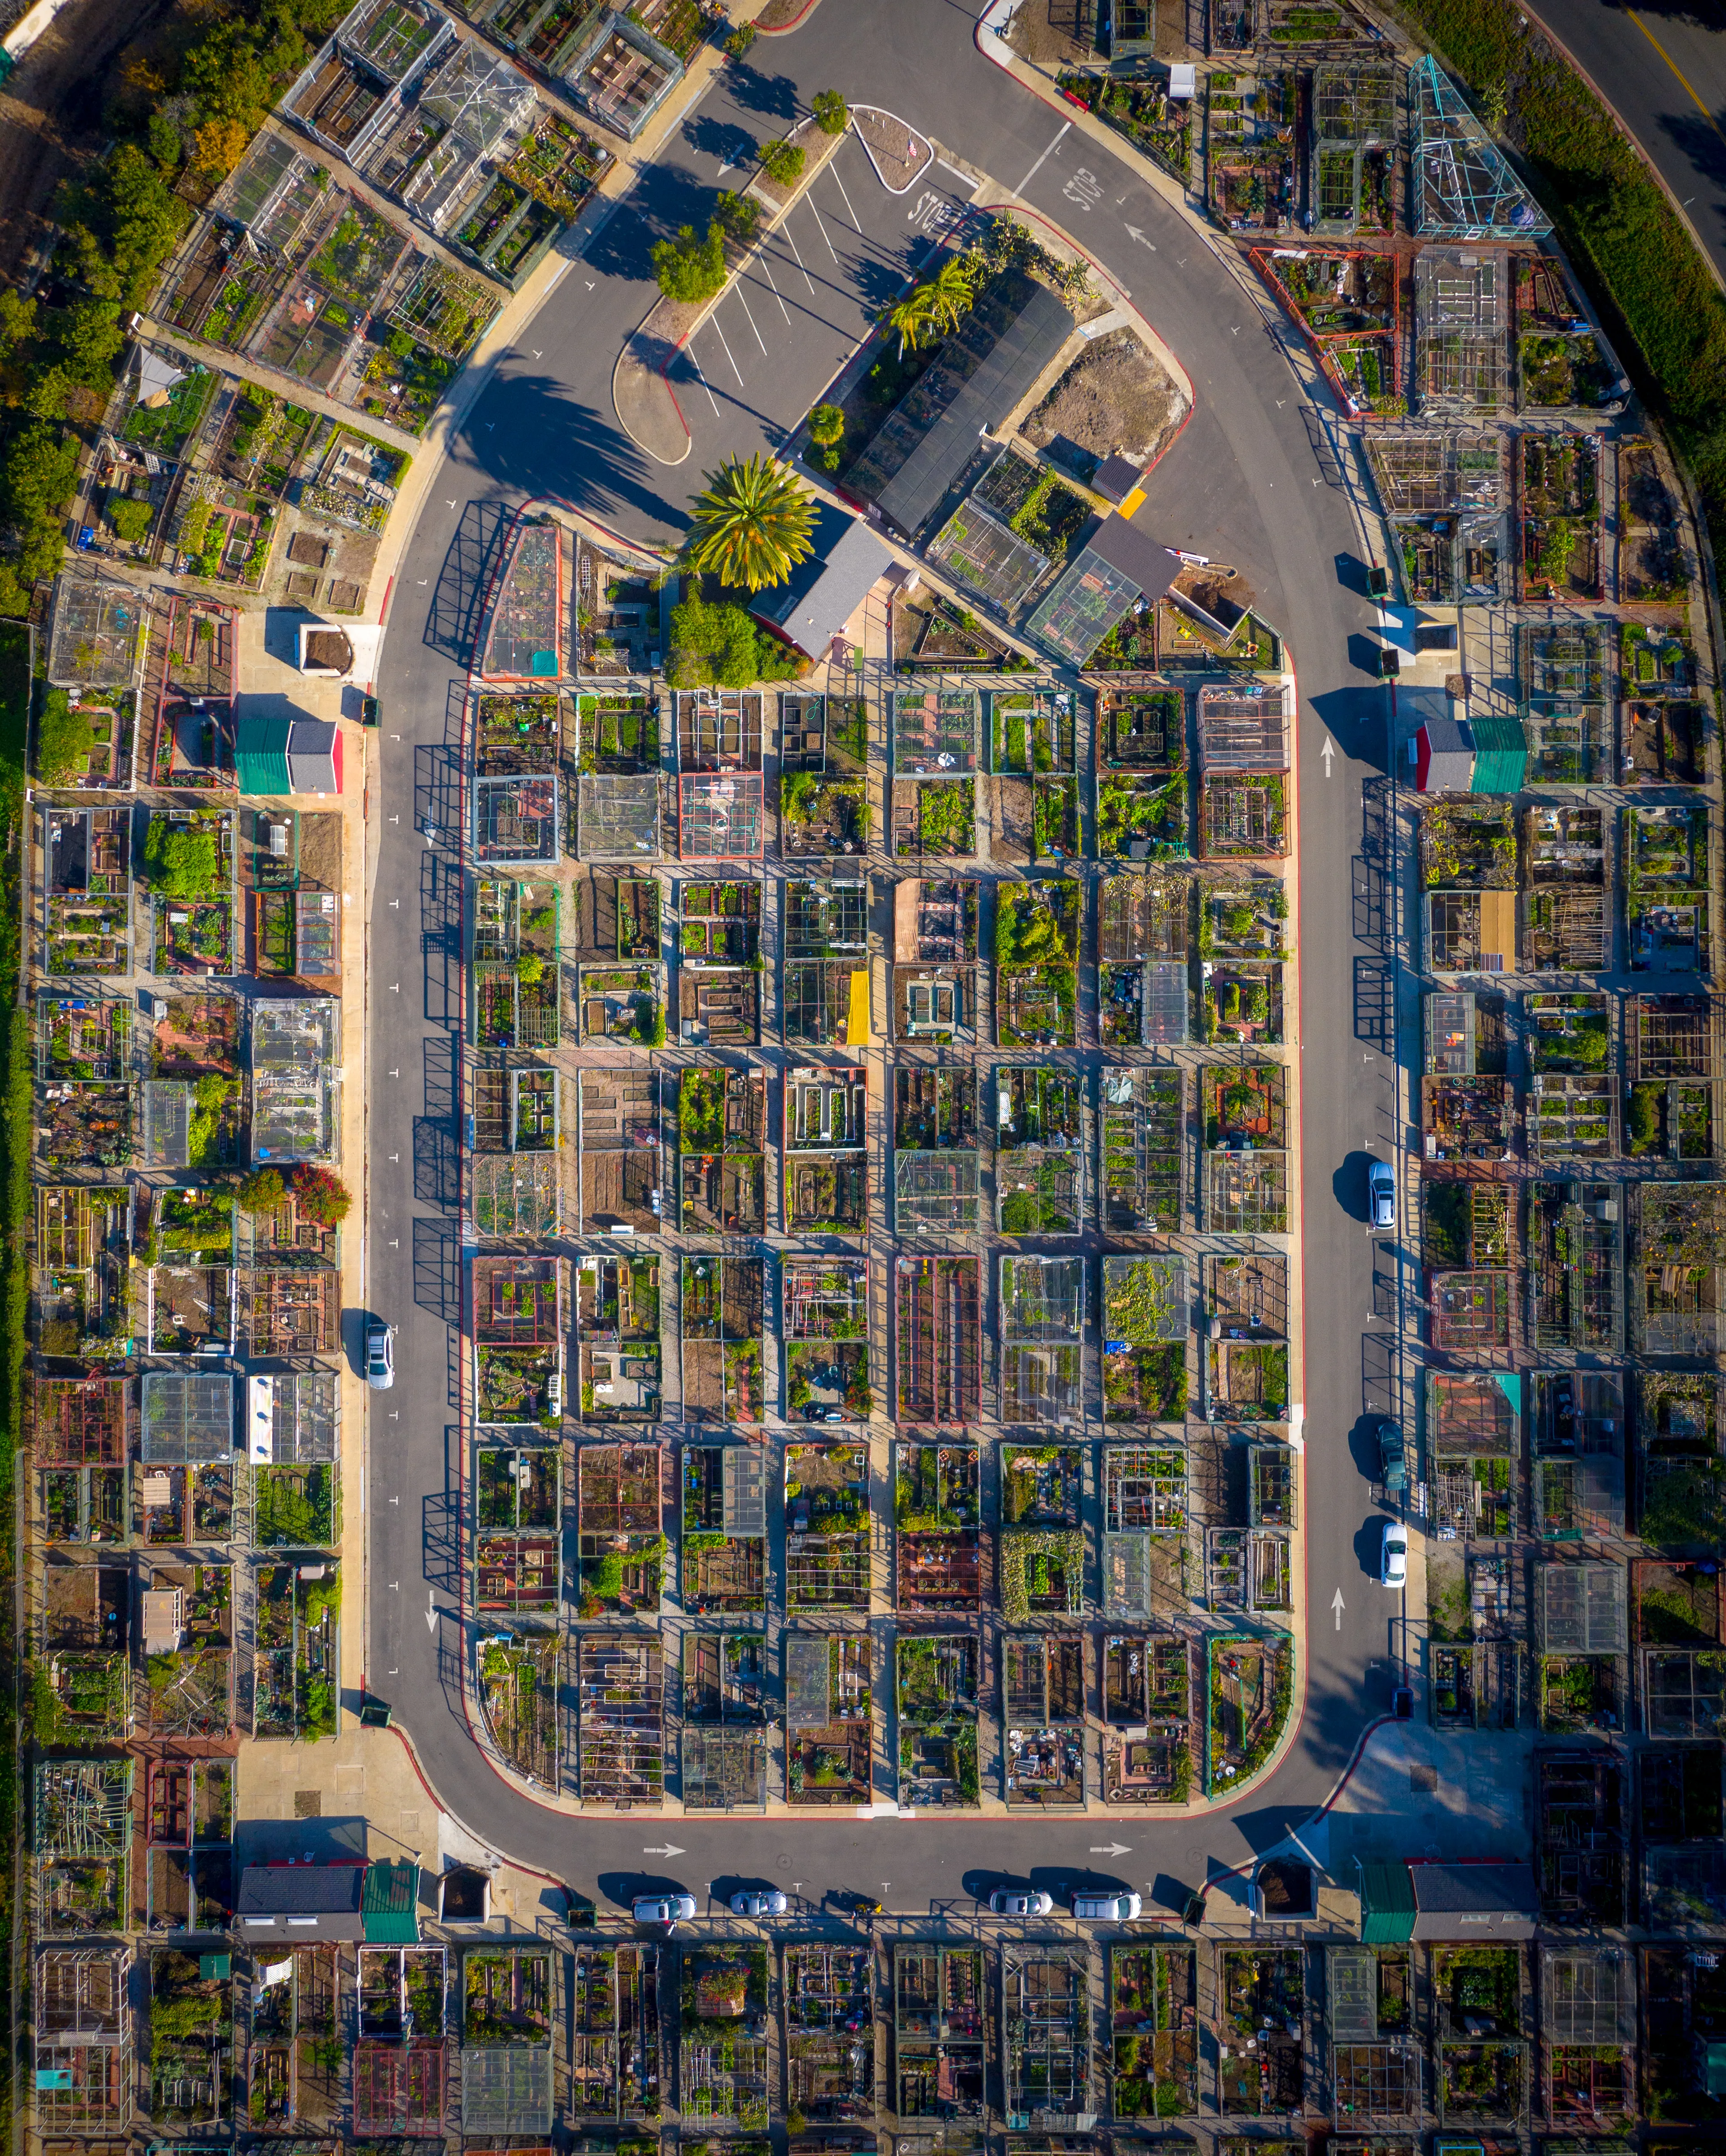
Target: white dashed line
x=735, y=368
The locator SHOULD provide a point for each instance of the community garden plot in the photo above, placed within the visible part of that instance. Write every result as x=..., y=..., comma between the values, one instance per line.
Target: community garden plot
x=1562, y=364
x=824, y=1137
x=293, y=2064
x=1142, y=1141
x=941, y=1559
x=1262, y=2013
x=1036, y=946
x=1351, y=304
x=721, y=1163
x=939, y=1995
x=1249, y=1684
x=725, y=1677
x=1676, y=1279
x=1039, y=1158
x=619, y=1120
x=1047, y=2016
x=1559, y=500
x=620, y=1688
x=296, y=1651
x=936, y=1678
x=1242, y=816
x=515, y=982
x=721, y=1330
x=1653, y=563
x=1482, y=2006
x=722, y=1546
x=1145, y=1319
x=1580, y=1847
x=518, y=1696
x=1153, y=2006
x=827, y=1534
x=828, y=1693
x=823, y=799
x=932, y=817
x=519, y=1380
x=1145, y=938
x=190, y=2018
x=1145, y=1681
x=614, y=2059
x=1567, y=916
x=524, y=630
x=84, y=1040
x=938, y=1339
x=724, y=2052
x=1664, y=864
x=619, y=731
x=1575, y=1252
x=621, y=1511
x=828, y=2031
x=1041, y=1320
x=81, y=1290
x=824, y=1003
x=1043, y=1694
x=401, y=1990
x=86, y=901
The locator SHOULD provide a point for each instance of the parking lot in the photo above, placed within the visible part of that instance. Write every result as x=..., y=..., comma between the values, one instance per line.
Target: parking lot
x=808, y=300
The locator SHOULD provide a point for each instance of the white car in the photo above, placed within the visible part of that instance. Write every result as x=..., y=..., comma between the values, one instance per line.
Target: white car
x=666, y=1909
x=1381, y=1194
x=1393, y=1555
x=1107, y=1908
x=1019, y=1901
x=759, y=1902
x=380, y=1357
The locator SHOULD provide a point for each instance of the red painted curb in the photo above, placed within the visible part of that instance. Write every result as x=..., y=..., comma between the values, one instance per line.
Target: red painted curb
x=785, y=30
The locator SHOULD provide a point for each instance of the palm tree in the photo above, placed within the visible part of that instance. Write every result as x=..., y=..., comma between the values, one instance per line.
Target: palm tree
x=752, y=524
x=911, y=314
x=950, y=290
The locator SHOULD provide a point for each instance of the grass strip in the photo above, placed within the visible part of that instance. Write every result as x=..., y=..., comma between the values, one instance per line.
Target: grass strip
x=1656, y=293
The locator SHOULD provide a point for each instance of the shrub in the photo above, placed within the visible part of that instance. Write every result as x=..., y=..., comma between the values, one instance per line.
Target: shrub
x=261, y=1191
x=827, y=425
x=689, y=269
x=63, y=741
x=740, y=40
x=129, y=519
x=180, y=865
x=833, y=115
x=782, y=161
x=530, y=969
x=321, y=1195
x=738, y=216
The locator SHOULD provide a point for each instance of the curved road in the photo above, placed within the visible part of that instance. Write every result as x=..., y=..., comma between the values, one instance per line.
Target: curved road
x=1244, y=485
x=1663, y=71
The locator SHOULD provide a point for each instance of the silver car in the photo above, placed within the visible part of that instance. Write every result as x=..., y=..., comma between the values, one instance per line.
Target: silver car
x=1393, y=1555
x=380, y=1357
x=759, y=1902
x=1381, y=1194
x=666, y=1909
x=1019, y=1901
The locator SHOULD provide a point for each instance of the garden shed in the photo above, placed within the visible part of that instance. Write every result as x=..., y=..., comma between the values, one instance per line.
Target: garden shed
x=826, y=589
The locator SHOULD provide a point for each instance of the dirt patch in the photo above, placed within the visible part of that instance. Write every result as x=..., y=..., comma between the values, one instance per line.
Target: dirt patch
x=898, y=152
x=51, y=115
x=1051, y=31
x=783, y=14
x=1115, y=398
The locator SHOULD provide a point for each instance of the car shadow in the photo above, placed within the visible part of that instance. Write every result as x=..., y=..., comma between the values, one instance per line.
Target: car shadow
x=1349, y=1185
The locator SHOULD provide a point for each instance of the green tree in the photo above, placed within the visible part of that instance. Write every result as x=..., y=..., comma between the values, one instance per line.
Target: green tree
x=530, y=969
x=62, y=739
x=261, y=1191
x=690, y=269
x=783, y=162
x=180, y=865
x=712, y=644
x=18, y=321
x=129, y=519
x=827, y=425
x=740, y=40
x=833, y=115
x=752, y=524
x=951, y=290
x=736, y=215
x=912, y=314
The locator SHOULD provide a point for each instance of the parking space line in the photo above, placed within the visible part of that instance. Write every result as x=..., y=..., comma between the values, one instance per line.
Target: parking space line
x=1067, y=128
x=721, y=334
x=744, y=305
x=768, y=267
x=971, y=184
x=801, y=264
x=819, y=220
x=704, y=383
x=849, y=204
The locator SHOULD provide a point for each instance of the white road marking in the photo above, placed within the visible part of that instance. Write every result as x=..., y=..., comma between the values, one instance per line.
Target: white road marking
x=744, y=305
x=801, y=265
x=849, y=204
x=1065, y=128
x=767, y=266
x=559, y=278
x=824, y=232
x=971, y=184
x=729, y=354
x=706, y=384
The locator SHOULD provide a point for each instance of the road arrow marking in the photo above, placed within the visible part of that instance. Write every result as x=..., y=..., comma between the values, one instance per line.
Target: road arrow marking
x=1138, y=238
x=725, y=168
x=431, y=1610
x=1113, y=1848
x=1328, y=751
x=1338, y=1605
x=671, y=1849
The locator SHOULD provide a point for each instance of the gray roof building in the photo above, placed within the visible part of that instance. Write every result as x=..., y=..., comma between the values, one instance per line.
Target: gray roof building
x=825, y=589
x=288, y=1904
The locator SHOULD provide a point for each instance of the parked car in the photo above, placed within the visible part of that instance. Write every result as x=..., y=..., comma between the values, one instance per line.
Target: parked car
x=380, y=1357
x=1393, y=1457
x=759, y=1902
x=1019, y=1901
x=1381, y=1194
x=666, y=1909
x=1105, y=1908
x=1393, y=1555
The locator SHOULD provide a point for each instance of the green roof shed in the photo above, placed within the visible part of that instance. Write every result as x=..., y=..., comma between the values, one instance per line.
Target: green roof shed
x=389, y=1907
x=1501, y=752
x=1387, y=1905
x=260, y=756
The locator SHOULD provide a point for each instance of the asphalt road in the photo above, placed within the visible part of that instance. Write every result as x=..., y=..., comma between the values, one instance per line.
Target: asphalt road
x=1664, y=72
x=1244, y=485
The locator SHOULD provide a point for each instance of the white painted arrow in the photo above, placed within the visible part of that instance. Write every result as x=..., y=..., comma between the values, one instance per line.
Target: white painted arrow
x=671, y=1849
x=1338, y=1605
x=725, y=168
x=1113, y=1848
x=431, y=1610
x=1134, y=234
x=1328, y=751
